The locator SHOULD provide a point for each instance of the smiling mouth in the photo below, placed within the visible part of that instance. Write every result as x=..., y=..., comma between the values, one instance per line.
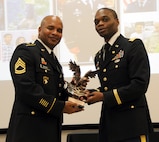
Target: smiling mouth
x=53, y=39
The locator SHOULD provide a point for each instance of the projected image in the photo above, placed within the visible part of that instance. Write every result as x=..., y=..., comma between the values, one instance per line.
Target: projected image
x=9, y=41
x=2, y=24
x=132, y=6
x=18, y=24
x=80, y=41
x=7, y=47
x=148, y=32
x=152, y=42
x=26, y=14
x=143, y=24
x=79, y=32
x=135, y=30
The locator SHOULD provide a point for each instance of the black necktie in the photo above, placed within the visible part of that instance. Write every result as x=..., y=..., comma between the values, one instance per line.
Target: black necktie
x=106, y=49
x=52, y=54
x=58, y=66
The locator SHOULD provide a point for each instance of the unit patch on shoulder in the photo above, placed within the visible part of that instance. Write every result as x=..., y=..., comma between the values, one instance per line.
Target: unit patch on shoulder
x=132, y=39
x=30, y=44
x=20, y=66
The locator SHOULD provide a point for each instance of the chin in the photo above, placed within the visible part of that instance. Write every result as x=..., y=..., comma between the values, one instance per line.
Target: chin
x=102, y=35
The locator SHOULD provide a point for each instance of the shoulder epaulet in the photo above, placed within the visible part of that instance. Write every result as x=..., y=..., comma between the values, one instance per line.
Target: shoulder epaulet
x=30, y=44
x=132, y=39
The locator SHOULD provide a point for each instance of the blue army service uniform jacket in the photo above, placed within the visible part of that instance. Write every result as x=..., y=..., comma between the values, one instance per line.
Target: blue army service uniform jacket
x=124, y=78
x=39, y=95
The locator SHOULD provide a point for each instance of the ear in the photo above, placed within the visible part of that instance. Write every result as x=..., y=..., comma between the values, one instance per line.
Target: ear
x=117, y=21
x=39, y=29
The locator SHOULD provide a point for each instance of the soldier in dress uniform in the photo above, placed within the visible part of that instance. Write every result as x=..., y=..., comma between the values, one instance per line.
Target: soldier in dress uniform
x=124, y=73
x=80, y=15
x=40, y=96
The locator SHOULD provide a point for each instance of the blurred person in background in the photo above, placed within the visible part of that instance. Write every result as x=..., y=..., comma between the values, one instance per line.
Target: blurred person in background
x=7, y=47
x=139, y=31
x=152, y=42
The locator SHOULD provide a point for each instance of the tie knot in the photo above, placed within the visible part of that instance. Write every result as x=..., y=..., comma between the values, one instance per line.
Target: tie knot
x=106, y=47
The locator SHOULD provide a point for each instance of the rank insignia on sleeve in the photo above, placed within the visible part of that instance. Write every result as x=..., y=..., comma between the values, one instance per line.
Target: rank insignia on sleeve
x=20, y=66
x=44, y=102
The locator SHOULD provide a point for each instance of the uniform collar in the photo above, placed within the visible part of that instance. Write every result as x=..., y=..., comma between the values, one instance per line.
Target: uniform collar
x=114, y=38
x=47, y=48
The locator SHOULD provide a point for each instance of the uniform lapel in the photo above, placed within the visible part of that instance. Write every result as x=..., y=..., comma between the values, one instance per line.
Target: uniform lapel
x=56, y=62
x=114, y=51
x=53, y=62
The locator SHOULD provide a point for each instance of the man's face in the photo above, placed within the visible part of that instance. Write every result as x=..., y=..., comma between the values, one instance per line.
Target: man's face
x=50, y=31
x=105, y=23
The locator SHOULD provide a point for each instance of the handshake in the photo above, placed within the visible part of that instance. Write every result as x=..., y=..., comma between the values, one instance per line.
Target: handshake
x=77, y=86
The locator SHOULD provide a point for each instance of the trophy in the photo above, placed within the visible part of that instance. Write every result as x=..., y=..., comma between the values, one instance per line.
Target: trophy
x=78, y=85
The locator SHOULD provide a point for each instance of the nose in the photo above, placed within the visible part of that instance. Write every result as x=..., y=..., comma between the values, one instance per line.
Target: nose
x=55, y=32
x=100, y=22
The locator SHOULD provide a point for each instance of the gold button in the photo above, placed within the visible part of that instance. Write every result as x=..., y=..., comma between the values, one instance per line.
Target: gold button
x=59, y=94
x=116, y=66
x=113, y=52
x=33, y=112
x=105, y=88
x=60, y=85
x=98, y=68
x=45, y=81
x=45, y=70
x=132, y=106
x=104, y=70
x=116, y=46
x=60, y=75
x=104, y=79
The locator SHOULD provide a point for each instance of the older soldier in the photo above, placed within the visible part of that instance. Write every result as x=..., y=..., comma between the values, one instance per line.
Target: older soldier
x=40, y=98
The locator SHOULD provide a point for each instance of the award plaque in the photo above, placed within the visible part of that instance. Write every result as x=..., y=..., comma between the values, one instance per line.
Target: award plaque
x=78, y=85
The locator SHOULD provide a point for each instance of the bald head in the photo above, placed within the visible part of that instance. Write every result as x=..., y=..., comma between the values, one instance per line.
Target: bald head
x=51, y=17
x=50, y=30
